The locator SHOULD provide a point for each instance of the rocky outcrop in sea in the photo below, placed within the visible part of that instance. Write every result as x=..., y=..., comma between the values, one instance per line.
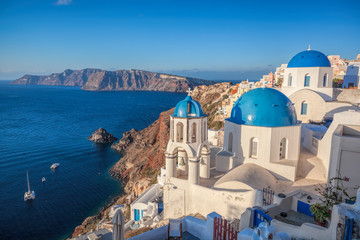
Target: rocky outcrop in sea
x=102, y=136
x=121, y=80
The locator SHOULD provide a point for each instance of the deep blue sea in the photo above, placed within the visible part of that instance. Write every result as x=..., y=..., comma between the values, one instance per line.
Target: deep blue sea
x=40, y=125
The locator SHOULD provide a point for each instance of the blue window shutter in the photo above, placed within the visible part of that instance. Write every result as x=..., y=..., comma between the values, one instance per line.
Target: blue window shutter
x=307, y=81
x=304, y=108
x=136, y=215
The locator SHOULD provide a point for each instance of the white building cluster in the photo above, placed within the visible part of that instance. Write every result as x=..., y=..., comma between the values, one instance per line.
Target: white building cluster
x=267, y=143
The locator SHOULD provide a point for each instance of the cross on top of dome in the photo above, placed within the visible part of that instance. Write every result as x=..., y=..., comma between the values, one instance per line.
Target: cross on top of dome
x=189, y=91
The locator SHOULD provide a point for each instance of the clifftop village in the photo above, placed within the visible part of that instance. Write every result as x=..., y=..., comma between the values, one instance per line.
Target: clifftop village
x=285, y=165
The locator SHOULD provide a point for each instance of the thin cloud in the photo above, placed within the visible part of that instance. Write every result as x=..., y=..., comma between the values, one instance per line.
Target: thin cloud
x=63, y=2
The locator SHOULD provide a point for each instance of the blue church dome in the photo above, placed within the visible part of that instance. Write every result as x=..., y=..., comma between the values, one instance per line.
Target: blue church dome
x=264, y=107
x=309, y=58
x=188, y=108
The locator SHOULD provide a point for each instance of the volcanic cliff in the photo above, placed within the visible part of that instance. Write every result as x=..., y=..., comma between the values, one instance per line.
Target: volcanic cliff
x=121, y=80
x=76, y=78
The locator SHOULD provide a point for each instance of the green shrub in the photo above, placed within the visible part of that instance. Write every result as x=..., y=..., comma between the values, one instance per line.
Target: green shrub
x=321, y=212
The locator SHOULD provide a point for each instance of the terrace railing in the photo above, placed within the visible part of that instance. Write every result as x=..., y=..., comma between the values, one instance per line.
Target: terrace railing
x=268, y=196
x=223, y=230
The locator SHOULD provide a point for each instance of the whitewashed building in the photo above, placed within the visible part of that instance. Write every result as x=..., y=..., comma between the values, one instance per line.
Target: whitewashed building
x=279, y=73
x=263, y=129
x=308, y=84
x=310, y=70
x=352, y=77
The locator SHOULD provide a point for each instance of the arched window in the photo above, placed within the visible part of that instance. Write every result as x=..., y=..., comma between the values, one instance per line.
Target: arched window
x=254, y=142
x=283, y=148
x=190, y=110
x=179, y=132
x=304, y=106
x=193, y=133
x=325, y=80
x=290, y=80
x=307, y=80
x=230, y=143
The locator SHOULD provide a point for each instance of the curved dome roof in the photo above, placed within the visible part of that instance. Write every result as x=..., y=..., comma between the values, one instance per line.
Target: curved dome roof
x=247, y=176
x=188, y=108
x=309, y=58
x=265, y=107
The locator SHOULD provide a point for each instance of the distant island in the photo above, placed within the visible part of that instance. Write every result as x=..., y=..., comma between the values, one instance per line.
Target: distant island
x=92, y=79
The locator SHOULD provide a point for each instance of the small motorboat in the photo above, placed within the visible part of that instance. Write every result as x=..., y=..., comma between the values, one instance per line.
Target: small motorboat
x=43, y=179
x=29, y=195
x=54, y=166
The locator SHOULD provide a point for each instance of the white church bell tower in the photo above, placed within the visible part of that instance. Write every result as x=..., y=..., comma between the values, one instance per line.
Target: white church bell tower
x=188, y=152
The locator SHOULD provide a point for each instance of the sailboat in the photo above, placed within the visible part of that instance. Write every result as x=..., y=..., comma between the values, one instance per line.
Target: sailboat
x=29, y=195
x=54, y=166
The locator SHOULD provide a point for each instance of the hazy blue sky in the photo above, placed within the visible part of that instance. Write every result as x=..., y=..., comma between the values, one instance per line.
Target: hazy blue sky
x=207, y=39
